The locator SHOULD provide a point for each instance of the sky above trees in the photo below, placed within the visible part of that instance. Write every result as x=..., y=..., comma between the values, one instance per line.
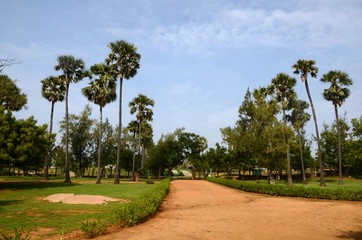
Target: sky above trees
x=197, y=57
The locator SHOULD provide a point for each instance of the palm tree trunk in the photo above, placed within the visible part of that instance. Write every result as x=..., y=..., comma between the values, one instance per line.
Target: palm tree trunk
x=322, y=181
x=290, y=181
x=301, y=157
x=340, y=176
x=66, y=169
x=117, y=170
x=99, y=146
x=134, y=154
x=46, y=160
x=139, y=143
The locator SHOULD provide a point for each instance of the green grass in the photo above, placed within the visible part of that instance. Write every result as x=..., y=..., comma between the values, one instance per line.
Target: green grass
x=22, y=204
x=351, y=189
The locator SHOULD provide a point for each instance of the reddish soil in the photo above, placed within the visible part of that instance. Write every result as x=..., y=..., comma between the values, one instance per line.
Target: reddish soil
x=203, y=210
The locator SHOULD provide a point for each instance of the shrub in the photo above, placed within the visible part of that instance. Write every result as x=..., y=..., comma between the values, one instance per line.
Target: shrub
x=93, y=228
x=141, y=209
x=18, y=234
x=291, y=191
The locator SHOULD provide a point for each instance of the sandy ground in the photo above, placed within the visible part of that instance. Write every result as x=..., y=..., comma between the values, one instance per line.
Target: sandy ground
x=203, y=210
x=70, y=198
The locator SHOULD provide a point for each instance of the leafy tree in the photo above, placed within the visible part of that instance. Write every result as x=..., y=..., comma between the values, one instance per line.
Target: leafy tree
x=193, y=145
x=100, y=91
x=337, y=93
x=73, y=71
x=80, y=136
x=22, y=142
x=167, y=153
x=141, y=106
x=52, y=90
x=332, y=141
x=298, y=118
x=283, y=85
x=11, y=97
x=124, y=62
x=216, y=158
x=305, y=68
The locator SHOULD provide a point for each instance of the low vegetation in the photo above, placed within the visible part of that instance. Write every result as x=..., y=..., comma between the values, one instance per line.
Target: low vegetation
x=23, y=209
x=333, y=193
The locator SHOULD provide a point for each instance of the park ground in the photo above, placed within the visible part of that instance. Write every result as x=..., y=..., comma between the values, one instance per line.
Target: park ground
x=204, y=210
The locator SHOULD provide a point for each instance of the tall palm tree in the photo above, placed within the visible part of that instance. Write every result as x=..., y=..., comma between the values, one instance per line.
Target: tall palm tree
x=101, y=91
x=337, y=93
x=298, y=119
x=140, y=106
x=73, y=71
x=305, y=68
x=133, y=129
x=124, y=62
x=52, y=90
x=284, y=86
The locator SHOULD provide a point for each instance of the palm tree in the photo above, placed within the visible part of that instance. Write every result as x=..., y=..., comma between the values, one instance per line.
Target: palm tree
x=100, y=91
x=133, y=129
x=305, y=68
x=337, y=93
x=140, y=105
x=73, y=71
x=53, y=90
x=124, y=62
x=298, y=119
x=284, y=86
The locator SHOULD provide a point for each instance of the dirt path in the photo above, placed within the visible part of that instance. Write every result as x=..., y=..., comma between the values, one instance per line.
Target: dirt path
x=203, y=210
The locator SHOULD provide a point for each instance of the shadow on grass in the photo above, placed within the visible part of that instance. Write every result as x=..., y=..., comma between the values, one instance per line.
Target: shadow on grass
x=20, y=185
x=9, y=202
x=355, y=235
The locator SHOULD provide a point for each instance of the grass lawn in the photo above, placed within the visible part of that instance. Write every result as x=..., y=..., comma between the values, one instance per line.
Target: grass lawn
x=22, y=204
x=331, y=183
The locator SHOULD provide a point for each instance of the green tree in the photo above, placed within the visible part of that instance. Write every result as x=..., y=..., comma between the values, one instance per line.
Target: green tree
x=298, y=118
x=11, y=97
x=283, y=85
x=193, y=146
x=73, y=71
x=100, y=91
x=124, y=62
x=53, y=90
x=80, y=137
x=305, y=68
x=337, y=93
x=141, y=106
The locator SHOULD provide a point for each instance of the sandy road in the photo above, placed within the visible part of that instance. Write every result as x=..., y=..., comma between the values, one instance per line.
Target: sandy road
x=204, y=210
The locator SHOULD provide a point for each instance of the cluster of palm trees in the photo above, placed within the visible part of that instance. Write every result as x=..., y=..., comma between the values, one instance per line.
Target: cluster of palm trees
x=122, y=63
x=337, y=93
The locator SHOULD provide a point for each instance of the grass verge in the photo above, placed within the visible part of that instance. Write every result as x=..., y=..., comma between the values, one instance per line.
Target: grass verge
x=333, y=193
x=22, y=205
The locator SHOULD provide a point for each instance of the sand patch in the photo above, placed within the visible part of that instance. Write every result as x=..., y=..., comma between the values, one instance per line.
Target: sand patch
x=70, y=198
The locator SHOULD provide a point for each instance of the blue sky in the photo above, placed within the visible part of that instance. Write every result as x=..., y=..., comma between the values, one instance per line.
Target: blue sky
x=198, y=56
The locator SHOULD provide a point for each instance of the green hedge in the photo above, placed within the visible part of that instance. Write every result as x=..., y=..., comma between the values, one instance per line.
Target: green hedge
x=291, y=191
x=144, y=207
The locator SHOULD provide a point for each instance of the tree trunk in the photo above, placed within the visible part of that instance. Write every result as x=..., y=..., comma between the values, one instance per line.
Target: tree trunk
x=99, y=147
x=117, y=171
x=134, y=155
x=340, y=176
x=290, y=181
x=322, y=181
x=139, y=142
x=46, y=160
x=301, y=157
x=66, y=168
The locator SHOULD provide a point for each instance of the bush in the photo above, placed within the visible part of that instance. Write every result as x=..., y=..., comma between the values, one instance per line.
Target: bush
x=18, y=234
x=141, y=209
x=291, y=191
x=93, y=228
